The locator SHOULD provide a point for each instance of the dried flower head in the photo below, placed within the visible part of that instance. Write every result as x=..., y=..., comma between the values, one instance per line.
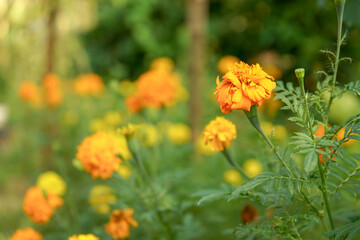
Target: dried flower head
x=120, y=222
x=219, y=133
x=243, y=86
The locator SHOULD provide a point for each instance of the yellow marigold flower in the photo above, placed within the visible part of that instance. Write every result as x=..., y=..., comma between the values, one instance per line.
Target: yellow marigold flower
x=252, y=167
x=38, y=207
x=100, y=198
x=52, y=90
x=202, y=148
x=83, y=237
x=233, y=177
x=89, y=84
x=178, y=133
x=120, y=222
x=226, y=62
x=154, y=89
x=340, y=135
x=124, y=171
x=243, y=86
x=51, y=182
x=162, y=64
x=128, y=131
x=148, y=135
x=29, y=92
x=26, y=234
x=98, y=152
x=219, y=133
x=127, y=88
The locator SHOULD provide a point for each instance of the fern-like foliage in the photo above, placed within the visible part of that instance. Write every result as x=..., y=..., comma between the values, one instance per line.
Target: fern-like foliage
x=350, y=231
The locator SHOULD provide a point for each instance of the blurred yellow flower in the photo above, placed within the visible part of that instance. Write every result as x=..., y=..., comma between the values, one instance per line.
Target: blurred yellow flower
x=89, y=84
x=233, y=177
x=278, y=132
x=128, y=131
x=178, y=133
x=127, y=88
x=83, y=237
x=202, y=148
x=108, y=123
x=226, y=62
x=113, y=118
x=100, y=198
x=271, y=107
x=26, y=234
x=219, y=133
x=148, y=135
x=51, y=182
x=98, y=152
x=162, y=64
x=124, y=171
x=252, y=167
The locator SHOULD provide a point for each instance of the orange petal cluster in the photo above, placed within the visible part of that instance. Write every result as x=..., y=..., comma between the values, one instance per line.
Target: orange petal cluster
x=38, y=207
x=89, y=84
x=52, y=90
x=155, y=88
x=26, y=234
x=219, y=133
x=320, y=132
x=29, y=92
x=120, y=222
x=98, y=152
x=243, y=86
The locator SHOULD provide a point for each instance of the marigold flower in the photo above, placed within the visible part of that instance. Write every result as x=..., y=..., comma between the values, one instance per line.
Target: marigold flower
x=98, y=152
x=83, y=237
x=226, y=62
x=320, y=132
x=219, y=133
x=26, y=234
x=51, y=182
x=162, y=64
x=341, y=134
x=100, y=198
x=202, y=148
x=89, y=84
x=249, y=213
x=124, y=171
x=38, y=207
x=243, y=86
x=29, y=92
x=52, y=90
x=120, y=222
x=252, y=167
x=233, y=177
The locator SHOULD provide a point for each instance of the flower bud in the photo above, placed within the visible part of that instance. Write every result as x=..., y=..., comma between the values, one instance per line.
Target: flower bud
x=300, y=73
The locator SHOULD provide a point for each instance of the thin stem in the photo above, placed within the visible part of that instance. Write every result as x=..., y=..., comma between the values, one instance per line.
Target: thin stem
x=316, y=211
x=340, y=13
x=234, y=164
x=293, y=225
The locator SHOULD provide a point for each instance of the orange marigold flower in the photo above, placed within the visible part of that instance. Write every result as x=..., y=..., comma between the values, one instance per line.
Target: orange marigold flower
x=243, y=86
x=38, y=207
x=98, y=152
x=120, y=222
x=26, y=234
x=219, y=133
x=320, y=132
x=89, y=84
x=249, y=213
x=29, y=92
x=133, y=103
x=83, y=237
x=52, y=90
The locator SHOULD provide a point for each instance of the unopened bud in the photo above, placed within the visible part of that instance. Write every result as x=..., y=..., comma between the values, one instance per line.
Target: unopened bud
x=300, y=73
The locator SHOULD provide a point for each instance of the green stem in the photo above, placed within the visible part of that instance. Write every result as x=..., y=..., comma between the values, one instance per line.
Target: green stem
x=321, y=217
x=339, y=12
x=234, y=164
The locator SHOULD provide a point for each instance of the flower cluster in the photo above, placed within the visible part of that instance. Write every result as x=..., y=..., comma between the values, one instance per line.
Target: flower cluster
x=98, y=152
x=30, y=92
x=120, y=222
x=243, y=86
x=219, y=133
x=26, y=234
x=39, y=207
x=89, y=84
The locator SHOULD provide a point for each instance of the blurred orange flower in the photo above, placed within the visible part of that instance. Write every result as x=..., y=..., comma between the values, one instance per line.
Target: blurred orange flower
x=219, y=133
x=38, y=207
x=83, y=237
x=249, y=213
x=52, y=90
x=320, y=132
x=120, y=222
x=98, y=152
x=89, y=84
x=226, y=62
x=154, y=89
x=243, y=86
x=29, y=92
x=26, y=234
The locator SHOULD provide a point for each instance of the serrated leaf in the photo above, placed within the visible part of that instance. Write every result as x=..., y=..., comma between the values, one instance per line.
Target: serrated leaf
x=310, y=162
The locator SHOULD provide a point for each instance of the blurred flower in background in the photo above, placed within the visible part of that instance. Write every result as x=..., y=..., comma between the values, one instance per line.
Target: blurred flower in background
x=148, y=135
x=30, y=93
x=226, y=62
x=278, y=132
x=124, y=171
x=178, y=133
x=249, y=214
x=120, y=222
x=252, y=167
x=89, y=84
x=233, y=177
x=202, y=148
x=101, y=197
x=26, y=234
x=51, y=182
x=53, y=94
x=38, y=207
x=83, y=237
x=4, y=115
x=162, y=64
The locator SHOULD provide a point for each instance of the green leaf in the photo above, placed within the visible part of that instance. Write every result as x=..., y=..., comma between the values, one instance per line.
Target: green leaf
x=310, y=162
